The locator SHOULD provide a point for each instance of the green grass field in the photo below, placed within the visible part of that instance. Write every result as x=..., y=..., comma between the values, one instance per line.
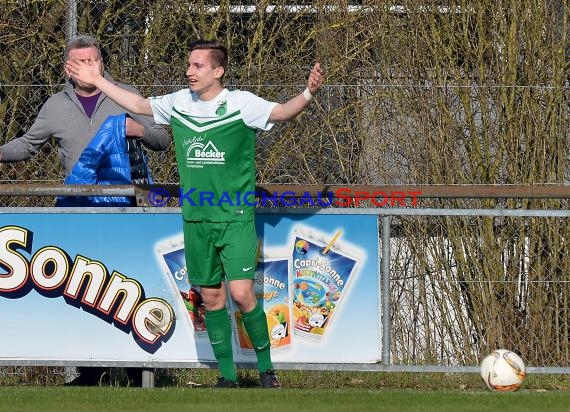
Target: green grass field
x=63, y=399
x=325, y=391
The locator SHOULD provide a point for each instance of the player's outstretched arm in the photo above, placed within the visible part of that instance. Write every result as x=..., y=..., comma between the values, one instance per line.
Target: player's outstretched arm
x=89, y=72
x=297, y=104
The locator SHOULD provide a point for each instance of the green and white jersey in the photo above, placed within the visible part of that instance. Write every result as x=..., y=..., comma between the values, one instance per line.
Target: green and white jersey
x=215, y=151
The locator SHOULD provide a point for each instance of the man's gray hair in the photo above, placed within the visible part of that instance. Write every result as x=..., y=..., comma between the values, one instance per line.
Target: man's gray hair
x=81, y=41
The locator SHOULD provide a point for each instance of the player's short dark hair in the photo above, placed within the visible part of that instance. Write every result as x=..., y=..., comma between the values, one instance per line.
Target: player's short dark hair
x=218, y=52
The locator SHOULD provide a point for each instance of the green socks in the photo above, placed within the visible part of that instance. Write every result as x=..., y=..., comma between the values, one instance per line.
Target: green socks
x=255, y=324
x=220, y=333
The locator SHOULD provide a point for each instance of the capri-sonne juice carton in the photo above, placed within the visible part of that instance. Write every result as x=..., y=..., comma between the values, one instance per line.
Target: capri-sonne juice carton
x=170, y=253
x=321, y=276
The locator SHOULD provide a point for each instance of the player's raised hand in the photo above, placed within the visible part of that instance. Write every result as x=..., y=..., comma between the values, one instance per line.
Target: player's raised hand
x=294, y=106
x=87, y=71
x=316, y=78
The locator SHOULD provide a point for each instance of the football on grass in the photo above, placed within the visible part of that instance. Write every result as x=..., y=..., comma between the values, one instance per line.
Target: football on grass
x=503, y=370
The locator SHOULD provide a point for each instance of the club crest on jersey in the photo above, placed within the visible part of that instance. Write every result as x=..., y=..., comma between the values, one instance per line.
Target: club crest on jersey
x=222, y=108
x=199, y=154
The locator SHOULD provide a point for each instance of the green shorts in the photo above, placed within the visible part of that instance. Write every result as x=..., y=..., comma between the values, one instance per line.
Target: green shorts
x=216, y=251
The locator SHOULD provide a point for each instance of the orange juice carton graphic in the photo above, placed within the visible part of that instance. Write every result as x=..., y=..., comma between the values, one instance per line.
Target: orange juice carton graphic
x=321, y=278
x=170, y=254
x=271, y=287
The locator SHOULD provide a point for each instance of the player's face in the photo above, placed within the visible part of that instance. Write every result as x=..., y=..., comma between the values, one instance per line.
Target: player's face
x=84, y=55
x=202, y=77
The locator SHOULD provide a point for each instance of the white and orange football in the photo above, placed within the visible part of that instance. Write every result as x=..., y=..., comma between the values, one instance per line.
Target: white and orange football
x=503, y=371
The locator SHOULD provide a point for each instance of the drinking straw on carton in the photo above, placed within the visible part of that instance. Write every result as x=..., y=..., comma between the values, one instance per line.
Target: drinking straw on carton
x=335, y=237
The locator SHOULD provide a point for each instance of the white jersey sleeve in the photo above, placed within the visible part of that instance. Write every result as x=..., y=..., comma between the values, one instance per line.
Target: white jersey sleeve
x=256, y=111
x=162, y=106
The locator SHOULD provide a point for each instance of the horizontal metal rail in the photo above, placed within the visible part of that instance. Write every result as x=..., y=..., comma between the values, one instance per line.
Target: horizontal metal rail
x=349, y=367
x=543, y=191
x=46, y=189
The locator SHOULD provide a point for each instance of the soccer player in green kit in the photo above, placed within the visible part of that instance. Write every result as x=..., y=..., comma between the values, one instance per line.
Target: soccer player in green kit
x=214, y=132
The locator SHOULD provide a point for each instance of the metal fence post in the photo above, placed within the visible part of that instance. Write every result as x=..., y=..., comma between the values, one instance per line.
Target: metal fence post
x=70, y=19
x=385, y=276
x=147, y=378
